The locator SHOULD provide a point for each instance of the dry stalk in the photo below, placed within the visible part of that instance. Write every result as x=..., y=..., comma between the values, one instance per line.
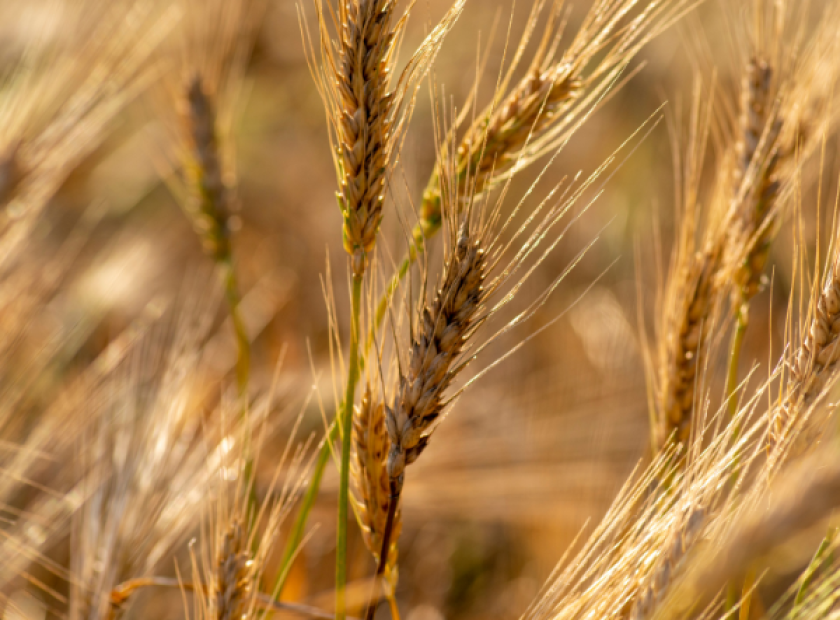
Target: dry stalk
x=813, y=365
x=370, y=477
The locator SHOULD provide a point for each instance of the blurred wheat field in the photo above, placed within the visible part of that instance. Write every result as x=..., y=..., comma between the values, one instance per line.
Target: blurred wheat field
x=446, y=309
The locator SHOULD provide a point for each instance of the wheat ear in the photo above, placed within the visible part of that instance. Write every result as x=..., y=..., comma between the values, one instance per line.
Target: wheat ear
x=693, y=322
x=444, y=329
x=493, y=144
x=231, y=588
x=212, y=204
x=365, y=124
x=757, y=183
x=211, y=211
x=370, y=477
x=446, y=326
x=813, y=365
x=672, y=561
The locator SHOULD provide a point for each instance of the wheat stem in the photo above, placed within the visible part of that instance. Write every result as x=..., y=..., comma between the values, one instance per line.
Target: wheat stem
x=392, y=606
x=243, y=345
x=296, y=535
x=385, y=301
x=346, y=436
x=810, y=571
x=742, y=320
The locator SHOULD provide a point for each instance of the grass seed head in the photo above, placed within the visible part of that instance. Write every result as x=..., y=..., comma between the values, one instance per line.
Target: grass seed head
x=687, y=342
x=813, y=365
x=212, y=211
x=372, y=483
x=364, y=126
x=439, y=340
x=757, y=174
x=233, y=577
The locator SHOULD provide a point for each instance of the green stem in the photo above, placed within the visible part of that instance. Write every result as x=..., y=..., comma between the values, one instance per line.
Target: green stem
x=296, y=535
x=346, y=431
x=730, y=606
x=814, y=565
x=418, y=245
x=734, y=592
x=734, y=355
x=243, y=345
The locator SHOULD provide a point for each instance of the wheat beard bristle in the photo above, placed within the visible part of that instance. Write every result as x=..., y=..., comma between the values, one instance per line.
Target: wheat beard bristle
x=233, y=575
x=213, y=209
x=759, y=128
x=439, y=341
x=681, y=370
x=372, y=482
x=813, y=364
x=492, y=146
x=365, y=123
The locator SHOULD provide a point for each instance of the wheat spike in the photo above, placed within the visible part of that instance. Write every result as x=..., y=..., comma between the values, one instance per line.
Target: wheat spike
x=537, y=114
x=814, y=363
x=757, y=176
x=671, y=562
x=370, y=476
x=364, y=127
x=439, y=340
x=693, y=323
x=212, y=209
x=233, y=575
x=493, y=145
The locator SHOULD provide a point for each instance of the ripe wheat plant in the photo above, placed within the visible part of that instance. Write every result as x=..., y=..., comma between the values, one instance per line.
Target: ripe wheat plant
x=203, y=417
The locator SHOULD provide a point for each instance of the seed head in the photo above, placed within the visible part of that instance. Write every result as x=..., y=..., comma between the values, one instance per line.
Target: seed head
x=438, y=342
